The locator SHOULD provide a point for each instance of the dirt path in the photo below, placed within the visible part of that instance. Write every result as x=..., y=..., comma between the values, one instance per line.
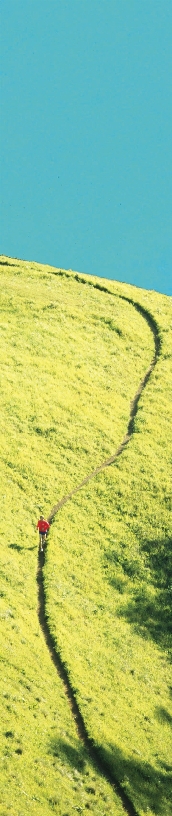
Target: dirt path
x=55, y=655
x=92, y=750
x=133, y=405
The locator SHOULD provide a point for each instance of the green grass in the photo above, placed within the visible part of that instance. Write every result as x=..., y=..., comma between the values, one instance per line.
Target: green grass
x=72, y=357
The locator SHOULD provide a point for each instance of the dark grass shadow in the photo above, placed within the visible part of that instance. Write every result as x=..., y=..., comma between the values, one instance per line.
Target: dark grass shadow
x=68, y=753
x=19, y=548
x=150, y=616
x=149, y=788
x=149, y=608
x=16, y=547
x=30, y=548
x=163, y=716
x=159, y=555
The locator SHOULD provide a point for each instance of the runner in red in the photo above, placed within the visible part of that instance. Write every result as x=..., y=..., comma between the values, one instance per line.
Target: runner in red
x=43, y=527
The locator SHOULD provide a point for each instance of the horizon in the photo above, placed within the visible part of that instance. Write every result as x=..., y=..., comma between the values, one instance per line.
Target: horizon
x=82, y=272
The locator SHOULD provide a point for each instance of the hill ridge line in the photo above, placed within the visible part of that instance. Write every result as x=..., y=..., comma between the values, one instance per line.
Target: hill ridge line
x=94, y=751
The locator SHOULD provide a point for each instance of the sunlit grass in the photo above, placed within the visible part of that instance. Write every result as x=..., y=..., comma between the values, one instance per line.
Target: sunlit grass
x=71, y=359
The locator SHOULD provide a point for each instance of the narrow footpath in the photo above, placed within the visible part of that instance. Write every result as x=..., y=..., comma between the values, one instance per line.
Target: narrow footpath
x=54, y=654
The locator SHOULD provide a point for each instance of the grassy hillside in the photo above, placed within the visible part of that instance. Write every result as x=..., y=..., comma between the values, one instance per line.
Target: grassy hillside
x=72, y=357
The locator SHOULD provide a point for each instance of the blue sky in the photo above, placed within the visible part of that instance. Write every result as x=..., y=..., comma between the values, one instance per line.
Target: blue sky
x=86, y=136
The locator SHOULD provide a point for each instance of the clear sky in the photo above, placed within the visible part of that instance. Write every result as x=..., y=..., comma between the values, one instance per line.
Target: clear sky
x=86, y=136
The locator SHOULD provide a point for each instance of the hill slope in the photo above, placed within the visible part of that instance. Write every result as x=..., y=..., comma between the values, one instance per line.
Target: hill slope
x=72, y=357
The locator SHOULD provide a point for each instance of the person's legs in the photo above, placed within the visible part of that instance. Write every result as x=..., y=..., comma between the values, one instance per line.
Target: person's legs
x=40, y=542
x=43, y=539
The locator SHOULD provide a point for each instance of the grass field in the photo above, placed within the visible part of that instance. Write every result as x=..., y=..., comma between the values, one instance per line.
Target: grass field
x=72, y=357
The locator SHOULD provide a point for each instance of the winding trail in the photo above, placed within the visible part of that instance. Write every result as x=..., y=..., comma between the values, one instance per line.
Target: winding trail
x=93, y=750
x=134, y=403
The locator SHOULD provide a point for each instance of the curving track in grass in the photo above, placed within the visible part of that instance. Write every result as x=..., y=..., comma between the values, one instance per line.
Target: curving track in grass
x=55, y=655
x=134, y=403
x=61, y=667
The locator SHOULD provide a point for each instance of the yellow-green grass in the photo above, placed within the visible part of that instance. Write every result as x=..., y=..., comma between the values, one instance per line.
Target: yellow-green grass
x=71, y=359
x=44, y=765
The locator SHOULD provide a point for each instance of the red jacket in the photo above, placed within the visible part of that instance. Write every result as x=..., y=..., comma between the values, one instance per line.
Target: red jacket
x=42, y=526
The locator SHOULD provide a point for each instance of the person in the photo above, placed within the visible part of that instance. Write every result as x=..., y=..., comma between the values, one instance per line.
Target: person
x=43, y=527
